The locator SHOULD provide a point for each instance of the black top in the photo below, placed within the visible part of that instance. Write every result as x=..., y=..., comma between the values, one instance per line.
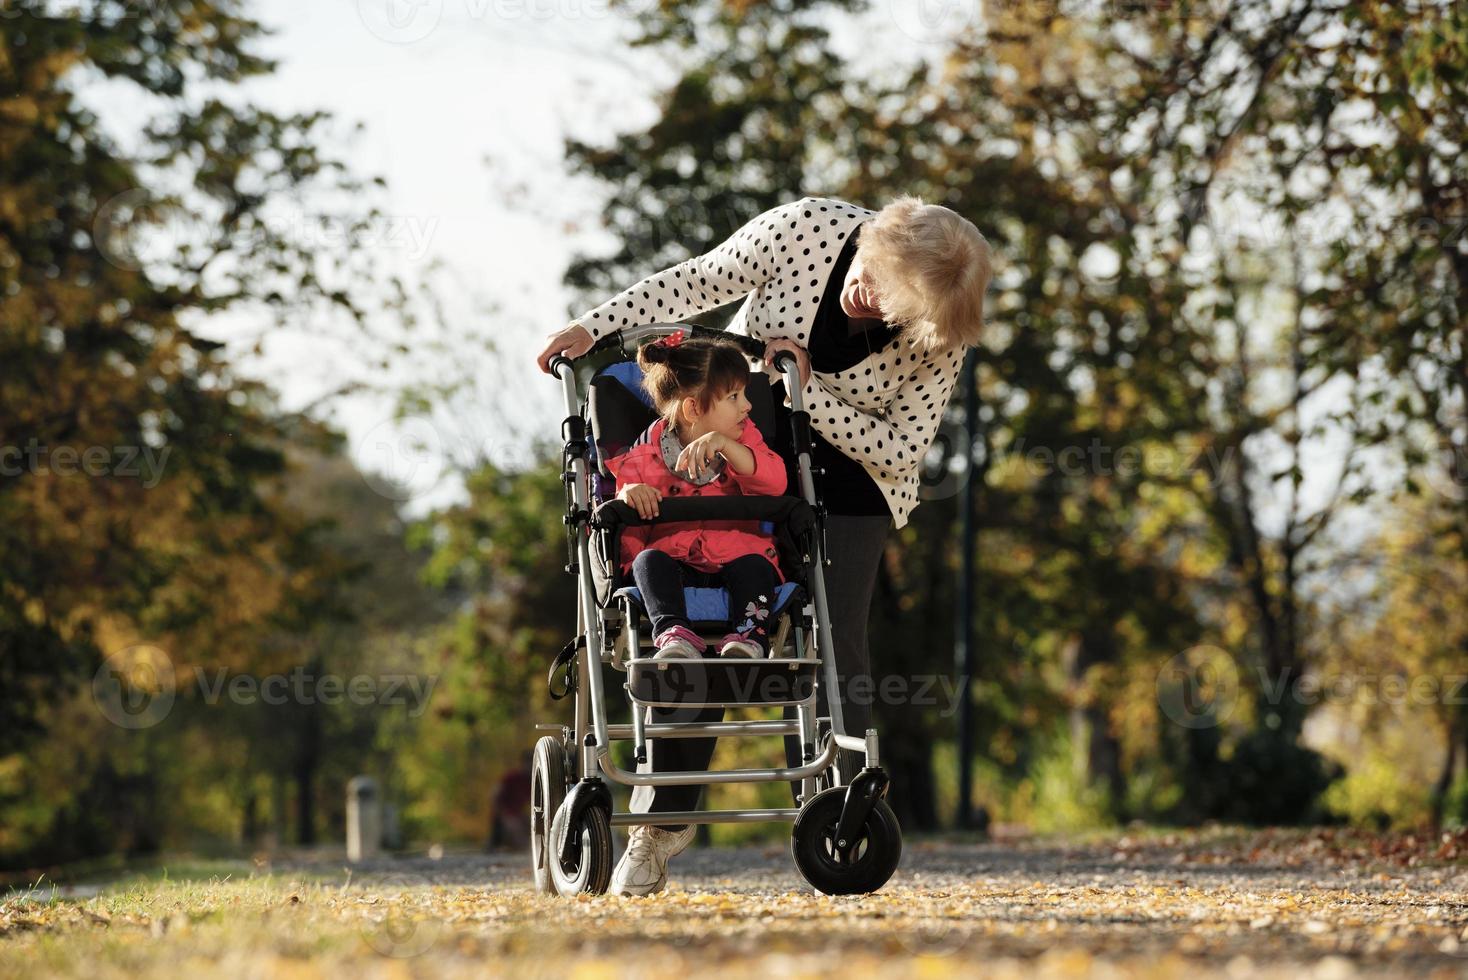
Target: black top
x=837, y=343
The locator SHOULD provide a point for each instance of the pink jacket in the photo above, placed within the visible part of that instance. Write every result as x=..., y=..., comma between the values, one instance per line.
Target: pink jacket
x=709, y=545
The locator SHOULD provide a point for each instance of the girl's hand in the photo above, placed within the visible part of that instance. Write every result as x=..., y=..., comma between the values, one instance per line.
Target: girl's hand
x=801, y=357
x=643, y=498
x=699, y=454
x=573, y=341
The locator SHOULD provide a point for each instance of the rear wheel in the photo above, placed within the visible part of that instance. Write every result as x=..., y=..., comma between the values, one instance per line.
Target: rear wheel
x=547, y=790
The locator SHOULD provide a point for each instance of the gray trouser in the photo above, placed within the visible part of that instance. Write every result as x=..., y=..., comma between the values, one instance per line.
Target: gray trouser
x=855, y=545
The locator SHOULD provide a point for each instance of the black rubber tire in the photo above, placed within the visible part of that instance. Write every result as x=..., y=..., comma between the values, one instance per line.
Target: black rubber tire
x=547, y=790
x=812, y=844
x=594, y=872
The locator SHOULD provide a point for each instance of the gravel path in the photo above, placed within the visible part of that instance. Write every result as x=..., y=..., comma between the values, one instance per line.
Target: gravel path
x=1230, y=904
x=1222, y=903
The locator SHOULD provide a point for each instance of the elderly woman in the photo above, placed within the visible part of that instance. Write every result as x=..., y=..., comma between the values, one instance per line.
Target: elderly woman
x=877, y=308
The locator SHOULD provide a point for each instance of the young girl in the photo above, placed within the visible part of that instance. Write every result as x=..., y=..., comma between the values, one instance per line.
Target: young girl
x=704, y=445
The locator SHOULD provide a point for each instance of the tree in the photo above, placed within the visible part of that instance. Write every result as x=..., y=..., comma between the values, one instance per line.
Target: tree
x=134, y=503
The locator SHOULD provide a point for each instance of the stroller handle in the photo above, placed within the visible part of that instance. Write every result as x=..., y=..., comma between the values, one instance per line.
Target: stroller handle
x=619, y=340
x=627, y=340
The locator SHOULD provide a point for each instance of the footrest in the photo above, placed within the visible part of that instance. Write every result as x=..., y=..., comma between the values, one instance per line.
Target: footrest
x=715, y=681
x=711, y=605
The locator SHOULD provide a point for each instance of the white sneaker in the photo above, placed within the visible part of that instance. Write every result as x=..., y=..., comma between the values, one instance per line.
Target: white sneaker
x=737, y=647
x=677, y=650
x=643, y=869
x=678, y=642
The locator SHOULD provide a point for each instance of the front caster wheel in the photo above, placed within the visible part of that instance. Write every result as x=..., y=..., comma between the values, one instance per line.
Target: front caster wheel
x=592, y=872
x=813, y=845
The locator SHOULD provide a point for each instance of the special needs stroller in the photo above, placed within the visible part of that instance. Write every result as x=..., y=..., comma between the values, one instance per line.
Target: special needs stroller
x=845, y=839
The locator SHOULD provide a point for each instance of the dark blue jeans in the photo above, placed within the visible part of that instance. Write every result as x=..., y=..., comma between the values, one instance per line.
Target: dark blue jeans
x=751, y=582
x=856, y=545
x=662, y=580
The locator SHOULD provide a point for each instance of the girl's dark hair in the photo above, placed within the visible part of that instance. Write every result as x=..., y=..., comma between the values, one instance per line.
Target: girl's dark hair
x=704, y=368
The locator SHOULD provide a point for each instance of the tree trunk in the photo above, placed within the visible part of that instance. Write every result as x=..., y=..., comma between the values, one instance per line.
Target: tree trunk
x=1095, y=752
x=250, y=825
x=308, y=759
x=1444, y=784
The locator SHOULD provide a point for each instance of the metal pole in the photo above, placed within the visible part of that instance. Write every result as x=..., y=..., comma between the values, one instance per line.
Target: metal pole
x=964, y=633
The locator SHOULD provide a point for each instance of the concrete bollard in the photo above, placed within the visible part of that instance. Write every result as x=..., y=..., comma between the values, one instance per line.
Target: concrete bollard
x=364, y=819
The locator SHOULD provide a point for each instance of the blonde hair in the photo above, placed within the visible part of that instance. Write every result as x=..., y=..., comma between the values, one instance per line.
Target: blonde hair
x=930, y=267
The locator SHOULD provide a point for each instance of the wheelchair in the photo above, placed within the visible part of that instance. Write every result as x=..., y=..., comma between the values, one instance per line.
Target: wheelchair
x=845, y=838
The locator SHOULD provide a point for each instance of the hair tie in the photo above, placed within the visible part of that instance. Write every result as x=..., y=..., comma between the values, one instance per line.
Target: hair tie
x=671, y=340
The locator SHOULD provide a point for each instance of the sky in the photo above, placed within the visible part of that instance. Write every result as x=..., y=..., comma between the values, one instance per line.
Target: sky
x=466, y=105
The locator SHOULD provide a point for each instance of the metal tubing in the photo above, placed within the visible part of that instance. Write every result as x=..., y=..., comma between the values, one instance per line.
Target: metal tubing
x=587, y=592
x=824, y=644
x=705, y=816
x=614, y=772
x=639, y=724
x=707, y=729
x=805, y=717
x=717, y=704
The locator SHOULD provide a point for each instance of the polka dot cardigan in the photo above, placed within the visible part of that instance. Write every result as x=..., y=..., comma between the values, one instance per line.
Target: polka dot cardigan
x=884, y=412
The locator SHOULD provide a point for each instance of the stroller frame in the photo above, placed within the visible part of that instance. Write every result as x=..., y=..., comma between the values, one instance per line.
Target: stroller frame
x=566, y=861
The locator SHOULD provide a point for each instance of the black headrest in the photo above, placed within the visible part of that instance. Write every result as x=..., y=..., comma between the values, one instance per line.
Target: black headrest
x=619, y=413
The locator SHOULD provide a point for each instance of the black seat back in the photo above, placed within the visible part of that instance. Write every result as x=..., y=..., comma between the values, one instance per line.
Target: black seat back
x=621, y=411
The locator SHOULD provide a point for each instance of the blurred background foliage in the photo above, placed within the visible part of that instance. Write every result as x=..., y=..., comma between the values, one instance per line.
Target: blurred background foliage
x=1221, y=415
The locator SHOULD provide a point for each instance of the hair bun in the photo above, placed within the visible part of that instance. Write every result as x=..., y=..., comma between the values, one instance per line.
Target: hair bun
x=652, y=354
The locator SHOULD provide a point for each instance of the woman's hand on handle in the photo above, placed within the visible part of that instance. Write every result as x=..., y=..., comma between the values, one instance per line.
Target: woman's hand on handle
x=573, y=341
x=802, y=359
